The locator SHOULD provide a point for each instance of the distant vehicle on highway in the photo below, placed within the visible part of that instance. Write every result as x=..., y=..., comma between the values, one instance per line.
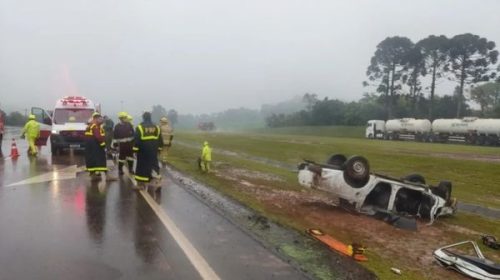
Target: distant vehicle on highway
x=470, y=130
x=206, y=126
x=66, y=124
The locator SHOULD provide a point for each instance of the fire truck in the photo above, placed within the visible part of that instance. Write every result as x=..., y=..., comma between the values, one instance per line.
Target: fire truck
x=65, y=125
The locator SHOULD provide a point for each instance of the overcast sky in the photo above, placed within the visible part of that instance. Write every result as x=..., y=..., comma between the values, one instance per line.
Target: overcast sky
x=203, y=56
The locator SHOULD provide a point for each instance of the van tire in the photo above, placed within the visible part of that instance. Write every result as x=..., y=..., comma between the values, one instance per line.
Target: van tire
x=53, y=149
x=337, y=160
x=443, y=190
x=356, y=171
x=414, y=178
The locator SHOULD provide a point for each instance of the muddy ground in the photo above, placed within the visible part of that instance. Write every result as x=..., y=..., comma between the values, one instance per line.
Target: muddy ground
x=317, y=210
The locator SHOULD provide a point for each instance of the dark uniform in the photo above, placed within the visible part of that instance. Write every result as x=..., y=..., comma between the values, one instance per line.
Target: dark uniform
x=147, y=145
x=95, y=154
x=108, y=130
x=124, y=138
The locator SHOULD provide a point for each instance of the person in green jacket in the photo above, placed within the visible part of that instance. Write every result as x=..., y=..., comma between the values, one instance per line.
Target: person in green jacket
x=206, y=157
x=31, y=132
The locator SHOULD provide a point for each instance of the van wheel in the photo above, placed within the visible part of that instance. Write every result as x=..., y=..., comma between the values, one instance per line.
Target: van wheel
x=443, y=190
x=337, y=160
x=370, y=136
x=356, y=171
x=415, y=178
x=54, y=150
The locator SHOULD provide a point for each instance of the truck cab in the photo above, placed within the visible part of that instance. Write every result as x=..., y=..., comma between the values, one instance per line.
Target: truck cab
x=375, y=129
x=69, y=121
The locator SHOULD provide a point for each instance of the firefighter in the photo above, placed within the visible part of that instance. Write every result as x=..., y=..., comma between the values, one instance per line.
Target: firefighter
x=124, y=139
x=130, y=120
x=31, y=132
x=167, y=135
x=206, y=157
x=95, y=147
x=148, y=142
x=108, y=131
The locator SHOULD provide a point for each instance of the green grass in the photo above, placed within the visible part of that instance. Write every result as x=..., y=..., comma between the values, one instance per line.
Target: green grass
x=474, y=181
x=328, y=131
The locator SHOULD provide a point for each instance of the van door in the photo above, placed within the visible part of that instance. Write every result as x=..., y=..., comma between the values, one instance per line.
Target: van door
x=45, y=121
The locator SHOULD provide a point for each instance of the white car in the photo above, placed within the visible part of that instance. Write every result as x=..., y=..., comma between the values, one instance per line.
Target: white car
x=357, y=189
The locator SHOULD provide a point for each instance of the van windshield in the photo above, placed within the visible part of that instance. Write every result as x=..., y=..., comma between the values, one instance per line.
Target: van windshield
x=62, y=116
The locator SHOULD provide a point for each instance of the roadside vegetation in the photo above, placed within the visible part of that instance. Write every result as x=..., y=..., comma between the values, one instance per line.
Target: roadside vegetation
x=242, y=173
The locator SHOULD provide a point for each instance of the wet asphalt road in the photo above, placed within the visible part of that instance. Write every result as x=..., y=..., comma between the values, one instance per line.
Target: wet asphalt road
x=59, y=225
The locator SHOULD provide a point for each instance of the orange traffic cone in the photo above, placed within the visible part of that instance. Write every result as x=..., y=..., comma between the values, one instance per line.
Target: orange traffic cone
x=14, y=153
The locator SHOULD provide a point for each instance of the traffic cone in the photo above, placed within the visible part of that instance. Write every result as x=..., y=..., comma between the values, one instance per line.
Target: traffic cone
x=14, y=153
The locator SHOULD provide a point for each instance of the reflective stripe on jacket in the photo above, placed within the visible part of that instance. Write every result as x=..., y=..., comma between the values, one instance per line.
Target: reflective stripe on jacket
x=147, y=134
x=97, y=132
x=123, y=133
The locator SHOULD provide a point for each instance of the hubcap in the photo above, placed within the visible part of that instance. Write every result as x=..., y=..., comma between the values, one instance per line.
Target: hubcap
x=358, y=167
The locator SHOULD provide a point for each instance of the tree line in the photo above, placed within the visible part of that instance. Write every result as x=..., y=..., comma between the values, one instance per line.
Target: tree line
x=398, y=65
x=372, y=106
x=404, y=76
x=13, y=118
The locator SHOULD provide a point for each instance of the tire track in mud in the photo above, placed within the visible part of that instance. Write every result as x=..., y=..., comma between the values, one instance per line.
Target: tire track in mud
x=491, y=213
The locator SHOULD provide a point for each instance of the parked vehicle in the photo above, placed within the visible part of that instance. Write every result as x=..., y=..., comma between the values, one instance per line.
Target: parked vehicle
x=408, y=128
x=470, y=130
x=356, y=188
x=375, y=129
x=206, y=126
x=66, y=124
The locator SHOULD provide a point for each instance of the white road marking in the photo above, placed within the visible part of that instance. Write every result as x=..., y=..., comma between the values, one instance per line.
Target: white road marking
x=56, y=175
x=196, y=259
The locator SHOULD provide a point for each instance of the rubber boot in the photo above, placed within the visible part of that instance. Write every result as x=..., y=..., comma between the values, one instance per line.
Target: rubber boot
x=130, y=166
x=120, y=168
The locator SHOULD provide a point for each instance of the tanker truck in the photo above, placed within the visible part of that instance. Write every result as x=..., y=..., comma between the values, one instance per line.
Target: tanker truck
x=470, y=130
x=404, y=129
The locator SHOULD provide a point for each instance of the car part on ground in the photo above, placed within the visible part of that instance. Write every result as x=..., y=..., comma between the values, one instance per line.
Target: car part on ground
x=477, y=267
x=402, y=222
x=354, y=250
x=490, y=241
x=369, y=193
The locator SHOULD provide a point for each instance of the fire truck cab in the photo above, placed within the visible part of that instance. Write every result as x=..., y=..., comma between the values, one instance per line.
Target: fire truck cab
x=68, y=123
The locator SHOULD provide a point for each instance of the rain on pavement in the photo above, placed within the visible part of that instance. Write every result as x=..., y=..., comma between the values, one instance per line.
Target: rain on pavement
x=56, y=224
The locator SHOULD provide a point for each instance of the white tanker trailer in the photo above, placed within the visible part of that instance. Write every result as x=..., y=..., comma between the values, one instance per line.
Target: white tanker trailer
x=471, y=130
x=407, y=128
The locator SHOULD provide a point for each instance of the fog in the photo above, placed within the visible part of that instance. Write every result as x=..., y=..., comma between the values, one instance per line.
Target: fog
x=206, y=56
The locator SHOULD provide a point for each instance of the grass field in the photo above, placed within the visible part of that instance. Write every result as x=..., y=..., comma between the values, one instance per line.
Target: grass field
x=473, y=171
x=327, y=131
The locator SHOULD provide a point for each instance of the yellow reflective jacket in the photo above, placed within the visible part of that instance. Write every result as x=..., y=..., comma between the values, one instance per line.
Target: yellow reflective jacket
x=206, y=153
x=31, y=129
